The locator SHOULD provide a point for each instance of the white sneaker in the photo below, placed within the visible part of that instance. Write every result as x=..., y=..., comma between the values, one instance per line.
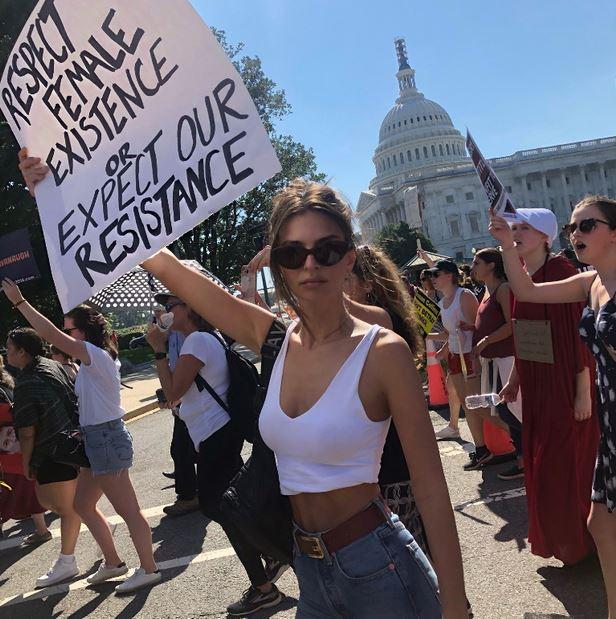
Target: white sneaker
x=137, y=580
x=104, y=573
x=61, y=570
x=448, y=432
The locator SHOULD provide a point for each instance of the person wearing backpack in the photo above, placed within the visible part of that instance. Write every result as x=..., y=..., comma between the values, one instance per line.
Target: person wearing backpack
x=40, y=413
x=201, y=380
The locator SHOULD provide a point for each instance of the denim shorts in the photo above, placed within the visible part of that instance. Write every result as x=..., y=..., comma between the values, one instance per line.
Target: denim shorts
x=383, y=574
x=109, y=447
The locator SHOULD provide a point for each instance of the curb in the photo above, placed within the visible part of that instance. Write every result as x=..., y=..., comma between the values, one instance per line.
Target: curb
x=142, y=410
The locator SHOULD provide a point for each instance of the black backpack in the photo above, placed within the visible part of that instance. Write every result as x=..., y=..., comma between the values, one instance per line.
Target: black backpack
x=253, y=501
x=244, y=395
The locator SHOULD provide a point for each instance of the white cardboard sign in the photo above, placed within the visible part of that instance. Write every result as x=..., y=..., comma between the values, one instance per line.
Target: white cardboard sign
x=145, y=125
x=499, y=199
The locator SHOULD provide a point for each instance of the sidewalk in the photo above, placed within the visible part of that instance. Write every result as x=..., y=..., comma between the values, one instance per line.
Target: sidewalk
x=139, y=392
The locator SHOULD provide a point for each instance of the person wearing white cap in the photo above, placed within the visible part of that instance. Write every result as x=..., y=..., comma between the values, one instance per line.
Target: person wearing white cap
x=559, y=433
x=592, y=233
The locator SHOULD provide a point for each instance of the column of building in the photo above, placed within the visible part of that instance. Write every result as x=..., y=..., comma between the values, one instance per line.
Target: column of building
x=603, y=179
x=566, y=205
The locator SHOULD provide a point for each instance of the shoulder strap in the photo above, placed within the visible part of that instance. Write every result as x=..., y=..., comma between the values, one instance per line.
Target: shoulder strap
x=202, y=384
x=270, y=349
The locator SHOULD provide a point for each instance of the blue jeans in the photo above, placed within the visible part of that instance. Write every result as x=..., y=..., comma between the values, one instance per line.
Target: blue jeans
x=109, y=447
x=383, y=574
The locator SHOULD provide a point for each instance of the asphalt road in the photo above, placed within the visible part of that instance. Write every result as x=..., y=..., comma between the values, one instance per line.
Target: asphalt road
x=201, y=575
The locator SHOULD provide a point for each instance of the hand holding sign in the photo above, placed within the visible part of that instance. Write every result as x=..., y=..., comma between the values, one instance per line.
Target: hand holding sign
x=31, y=169
x=499, y=228
x=144, y=124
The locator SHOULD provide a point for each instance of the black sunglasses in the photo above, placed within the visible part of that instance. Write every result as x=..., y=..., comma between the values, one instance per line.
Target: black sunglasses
x=327, y=253
x=170, y=306
x=585, y=226
x=69, y=330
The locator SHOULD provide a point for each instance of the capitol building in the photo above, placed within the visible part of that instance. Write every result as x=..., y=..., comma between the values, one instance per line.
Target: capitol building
x=425, y=178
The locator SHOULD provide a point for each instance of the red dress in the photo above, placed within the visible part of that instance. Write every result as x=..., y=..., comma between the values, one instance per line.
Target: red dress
x=559, y=452
x=20, y=501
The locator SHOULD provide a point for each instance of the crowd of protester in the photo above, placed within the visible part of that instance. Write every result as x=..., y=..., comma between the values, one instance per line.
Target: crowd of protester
x=371, y=530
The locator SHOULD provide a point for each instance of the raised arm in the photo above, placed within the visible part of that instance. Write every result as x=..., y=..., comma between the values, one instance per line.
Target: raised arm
x=402, y=388
x=43, y=326
x=424, y=256
x=246, y=323
x=570, y=290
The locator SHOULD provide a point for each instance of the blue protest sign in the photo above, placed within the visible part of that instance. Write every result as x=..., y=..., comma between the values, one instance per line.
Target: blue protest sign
x=16, y=257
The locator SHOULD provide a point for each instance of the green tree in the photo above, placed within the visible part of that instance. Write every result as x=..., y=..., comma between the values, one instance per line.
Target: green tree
x=222, y=243
x=400, y=242
x=229, y=239
x=17, y=208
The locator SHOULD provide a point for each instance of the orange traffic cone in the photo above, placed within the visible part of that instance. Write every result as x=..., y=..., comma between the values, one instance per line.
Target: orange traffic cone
x=497, y=440
x=437, y=392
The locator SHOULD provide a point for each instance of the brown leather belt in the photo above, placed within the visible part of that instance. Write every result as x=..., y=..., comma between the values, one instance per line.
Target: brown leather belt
x=344, y=534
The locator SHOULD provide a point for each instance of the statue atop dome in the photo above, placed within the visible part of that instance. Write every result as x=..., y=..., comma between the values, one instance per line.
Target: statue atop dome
x=403, y=59
x=406, y=74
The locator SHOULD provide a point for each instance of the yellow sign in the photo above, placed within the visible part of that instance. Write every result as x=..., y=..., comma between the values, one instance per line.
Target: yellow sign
x=426, y=310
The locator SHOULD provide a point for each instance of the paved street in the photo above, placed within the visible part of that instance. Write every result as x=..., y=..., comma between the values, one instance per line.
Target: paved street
x=201, y=575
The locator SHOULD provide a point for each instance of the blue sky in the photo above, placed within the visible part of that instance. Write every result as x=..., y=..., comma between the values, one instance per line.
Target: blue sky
x=520, y=74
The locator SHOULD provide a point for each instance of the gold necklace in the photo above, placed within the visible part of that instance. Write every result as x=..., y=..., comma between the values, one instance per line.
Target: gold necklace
x=340, y=325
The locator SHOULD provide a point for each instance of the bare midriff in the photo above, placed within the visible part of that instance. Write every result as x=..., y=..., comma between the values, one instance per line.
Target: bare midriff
x=321, y=511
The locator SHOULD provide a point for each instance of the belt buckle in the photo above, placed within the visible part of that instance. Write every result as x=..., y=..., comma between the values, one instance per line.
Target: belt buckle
x=316, y=550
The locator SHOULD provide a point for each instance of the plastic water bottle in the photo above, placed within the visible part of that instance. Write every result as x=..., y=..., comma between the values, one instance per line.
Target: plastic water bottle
x=483, y=400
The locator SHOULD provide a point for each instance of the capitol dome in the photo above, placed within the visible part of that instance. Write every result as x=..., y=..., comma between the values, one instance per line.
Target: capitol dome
x=416, y=133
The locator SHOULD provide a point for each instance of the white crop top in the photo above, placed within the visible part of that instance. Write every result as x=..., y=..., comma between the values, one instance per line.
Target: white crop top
x=333, y=444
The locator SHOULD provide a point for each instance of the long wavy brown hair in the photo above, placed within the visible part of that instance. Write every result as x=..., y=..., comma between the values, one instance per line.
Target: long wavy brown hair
x=388, y=291
x=298, y=197
x=95, y=326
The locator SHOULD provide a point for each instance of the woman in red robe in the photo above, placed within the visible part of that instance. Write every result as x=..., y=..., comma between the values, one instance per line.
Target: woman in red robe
x=560, y=433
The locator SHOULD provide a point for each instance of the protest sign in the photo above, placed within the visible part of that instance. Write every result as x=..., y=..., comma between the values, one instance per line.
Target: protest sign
x=144, y=123
x=16, y=258
x=500, y=202
x=427, y=311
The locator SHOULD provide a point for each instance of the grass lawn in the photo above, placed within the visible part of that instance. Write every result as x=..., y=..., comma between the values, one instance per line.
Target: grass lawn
x=137, y=355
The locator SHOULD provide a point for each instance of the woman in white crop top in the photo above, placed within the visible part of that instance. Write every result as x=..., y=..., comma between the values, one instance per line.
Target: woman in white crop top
x=335, y=386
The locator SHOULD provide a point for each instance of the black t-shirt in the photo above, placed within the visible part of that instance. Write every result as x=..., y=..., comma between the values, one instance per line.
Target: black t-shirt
x=42, y=399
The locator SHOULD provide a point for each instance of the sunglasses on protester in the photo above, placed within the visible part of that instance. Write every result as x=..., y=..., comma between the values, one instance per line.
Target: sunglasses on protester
x=69, y=330
x=327, y=253
x=170, y=306
x=585, y=226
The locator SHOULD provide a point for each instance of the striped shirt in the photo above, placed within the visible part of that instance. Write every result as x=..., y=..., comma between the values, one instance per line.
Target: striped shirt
x=43, y=398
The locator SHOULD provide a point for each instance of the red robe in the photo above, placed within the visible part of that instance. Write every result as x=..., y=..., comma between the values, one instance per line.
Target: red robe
x=559, y=452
